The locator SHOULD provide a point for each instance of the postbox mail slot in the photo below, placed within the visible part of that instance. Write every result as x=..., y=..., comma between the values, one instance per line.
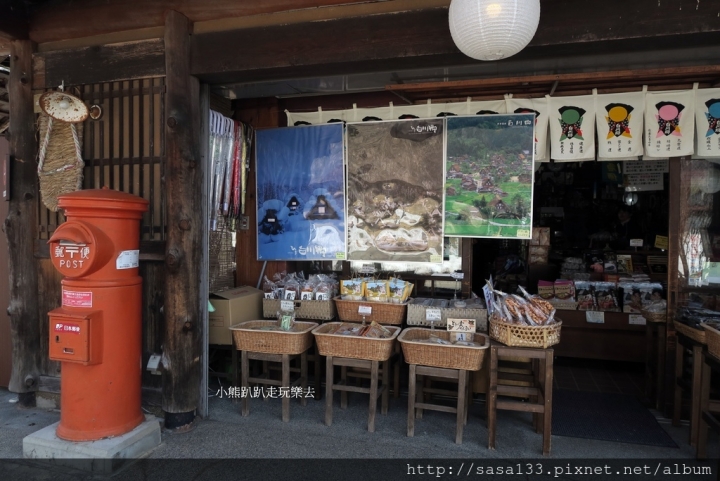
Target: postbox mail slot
x=75, y=337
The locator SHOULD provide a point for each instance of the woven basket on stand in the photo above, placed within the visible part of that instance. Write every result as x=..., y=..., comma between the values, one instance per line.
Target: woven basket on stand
x=520, y=335
x=354, y=347
x=60, y=164
x=416, y=315
x=382, y=312
x=250, y=337
x=697, y=335
x=450, y=356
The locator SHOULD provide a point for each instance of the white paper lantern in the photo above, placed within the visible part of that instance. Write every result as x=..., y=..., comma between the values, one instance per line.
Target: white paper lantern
x=493, y=29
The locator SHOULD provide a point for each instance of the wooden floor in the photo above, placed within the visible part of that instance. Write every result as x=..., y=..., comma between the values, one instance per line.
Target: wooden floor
x=599, y=376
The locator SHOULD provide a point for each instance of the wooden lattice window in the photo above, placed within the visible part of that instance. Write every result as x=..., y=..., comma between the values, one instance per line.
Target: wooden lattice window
x=124, y=150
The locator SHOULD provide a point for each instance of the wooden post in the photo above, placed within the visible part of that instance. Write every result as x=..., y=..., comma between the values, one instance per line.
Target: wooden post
x=184, y=254
x=20, y=228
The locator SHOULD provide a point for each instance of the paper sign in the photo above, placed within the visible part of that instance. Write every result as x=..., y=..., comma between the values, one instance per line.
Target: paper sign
x=637, y=319
x=128, y=260
x=365, y=310
x=636, y=242
x=290, y=295
x=269, y=295
x=433, y=315
x=458, y=276
x=321, y=296
x=367, y=269
x=661, y=242
x=595, y=317
x=287, y=306
x=77, y=299
x=306, y=296
x=461, y=325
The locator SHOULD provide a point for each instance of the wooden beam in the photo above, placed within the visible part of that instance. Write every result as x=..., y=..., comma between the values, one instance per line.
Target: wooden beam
x=184, y=177
x=21, y=222
x=421, y=39
x=105, y=63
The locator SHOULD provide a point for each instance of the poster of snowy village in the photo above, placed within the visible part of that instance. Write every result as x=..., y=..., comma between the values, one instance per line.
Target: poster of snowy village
x=300, y=193
x=489, y=176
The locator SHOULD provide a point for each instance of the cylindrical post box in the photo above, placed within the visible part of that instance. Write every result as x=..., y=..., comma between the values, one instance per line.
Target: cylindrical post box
x=97, y=332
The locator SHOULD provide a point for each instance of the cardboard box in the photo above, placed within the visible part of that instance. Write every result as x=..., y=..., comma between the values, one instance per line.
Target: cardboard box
x=540, y=236
x=232, y=307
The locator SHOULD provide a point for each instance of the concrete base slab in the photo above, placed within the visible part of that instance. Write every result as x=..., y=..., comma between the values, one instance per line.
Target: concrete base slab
x=105, y=456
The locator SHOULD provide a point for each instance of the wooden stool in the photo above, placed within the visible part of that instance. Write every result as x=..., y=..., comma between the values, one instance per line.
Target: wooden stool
x=540, y=394
x=394, y=362
x=415, y=407
x=685, y=342
x=284, y=359
x=313, y=357
x=342, y=386
x=655, y=354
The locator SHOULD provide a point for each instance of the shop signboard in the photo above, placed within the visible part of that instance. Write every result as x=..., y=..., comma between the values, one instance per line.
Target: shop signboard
x=300, y=193
x=489, y=176
x=395, y=190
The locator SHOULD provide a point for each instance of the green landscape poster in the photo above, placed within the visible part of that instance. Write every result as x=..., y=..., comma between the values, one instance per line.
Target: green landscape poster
x=489, y=176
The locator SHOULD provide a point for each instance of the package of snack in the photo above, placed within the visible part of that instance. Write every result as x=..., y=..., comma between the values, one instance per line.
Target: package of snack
x=546, y=289
x=515, y=307
x=350, y=329
x=377, y=331
x=307, y=291
x=564, y=290
x=376, y=291
x=352, y=289
x=539, y=303
x=585, y=297
x=396, y=290
x=606, y=296
x=286, y=320
x=323, y=291
x=292, y=288
x=269, y=289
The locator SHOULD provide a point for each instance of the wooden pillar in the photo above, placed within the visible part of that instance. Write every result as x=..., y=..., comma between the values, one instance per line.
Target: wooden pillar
x=20, y=228
x=184, y=180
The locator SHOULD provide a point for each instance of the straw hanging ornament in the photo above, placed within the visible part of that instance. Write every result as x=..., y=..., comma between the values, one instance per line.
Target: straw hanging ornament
x=60, y=163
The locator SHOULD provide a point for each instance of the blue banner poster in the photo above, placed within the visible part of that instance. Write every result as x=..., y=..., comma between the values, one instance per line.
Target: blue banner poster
x=394, y=192
x=300, y=193
x=489, y=176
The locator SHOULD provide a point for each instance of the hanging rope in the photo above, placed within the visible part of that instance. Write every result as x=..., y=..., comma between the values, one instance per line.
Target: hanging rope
x=60, y=163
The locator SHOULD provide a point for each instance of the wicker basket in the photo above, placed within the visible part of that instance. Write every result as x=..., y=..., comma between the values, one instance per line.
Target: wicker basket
x=657, y=317
x=382, y=312
x=416, y=316
x=712, y=338
x=354, y=347
x=697, y=335
x=249, y=338
x=322, y=310
x=525, y=336
x=468, y=358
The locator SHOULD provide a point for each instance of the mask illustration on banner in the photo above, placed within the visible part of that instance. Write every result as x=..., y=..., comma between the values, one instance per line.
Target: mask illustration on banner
x=618, y=120
x=668, y=118
x=523, y=110
x=713, y=117
x=571, y=119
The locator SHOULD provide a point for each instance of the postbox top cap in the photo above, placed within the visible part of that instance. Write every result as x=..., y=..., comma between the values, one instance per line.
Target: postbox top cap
x=103, y=198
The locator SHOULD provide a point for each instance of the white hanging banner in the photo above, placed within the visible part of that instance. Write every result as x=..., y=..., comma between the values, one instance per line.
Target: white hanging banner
x=707, y=119
x=572, y=128
x=620, y=125
x=539, y=107
x=669, y=118
x=468, y=108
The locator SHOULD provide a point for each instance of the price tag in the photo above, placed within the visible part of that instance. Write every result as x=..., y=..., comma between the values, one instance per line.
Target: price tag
x=365, y=310
x=461, y=325
x=636, y=242
x=458, y=276
x=595, y=317
x=367, y=269
x=637, y=319
x=433, y=315
x=661, y=242
x=287, y=306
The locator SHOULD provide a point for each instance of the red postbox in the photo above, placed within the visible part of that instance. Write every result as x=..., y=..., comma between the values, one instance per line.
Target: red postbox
x=97, y=332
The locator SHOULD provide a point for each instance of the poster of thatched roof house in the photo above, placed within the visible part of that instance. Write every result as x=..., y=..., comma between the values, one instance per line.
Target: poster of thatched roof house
x=395, y=190
x=489, y=182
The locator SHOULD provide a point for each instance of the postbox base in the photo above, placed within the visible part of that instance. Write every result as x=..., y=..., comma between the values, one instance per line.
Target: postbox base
x=105, y=456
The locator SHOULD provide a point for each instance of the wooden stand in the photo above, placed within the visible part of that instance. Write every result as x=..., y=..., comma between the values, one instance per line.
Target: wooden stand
x=342, y=386
x=684, y=342
x=539, y=394
x=415, y=406
x=655, y=354
x=285, y=383
x=707, y=410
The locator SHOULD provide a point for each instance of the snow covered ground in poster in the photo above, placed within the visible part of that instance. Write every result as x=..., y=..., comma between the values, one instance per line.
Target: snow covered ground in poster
x=300, y=194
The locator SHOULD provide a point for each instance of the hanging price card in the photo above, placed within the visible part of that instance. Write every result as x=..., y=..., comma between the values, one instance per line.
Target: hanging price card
x=461, y=325
x=595, y=317
x=458, y=276
x=636, y=319
x=365, y=310
x=287, y=306
x=433, y=315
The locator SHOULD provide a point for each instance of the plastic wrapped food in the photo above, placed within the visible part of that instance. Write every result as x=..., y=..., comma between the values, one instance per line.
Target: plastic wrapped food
x=352, y=289
x=377, y=331
x=585, y=297
x=606, y=296
x=376, y=291
x=269, y=289
x=292, y=288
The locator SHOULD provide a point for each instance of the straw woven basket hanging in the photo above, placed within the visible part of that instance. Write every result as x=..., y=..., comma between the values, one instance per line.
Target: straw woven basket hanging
x=60, y=163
